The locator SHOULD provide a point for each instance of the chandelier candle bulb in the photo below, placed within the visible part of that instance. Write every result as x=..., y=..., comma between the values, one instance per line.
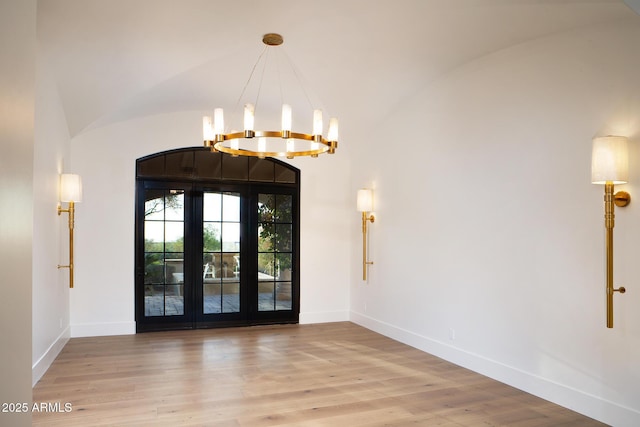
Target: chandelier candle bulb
x=317, y=126
x=249, y=111
x=286, y=121
x=207, y=128
x=290, y=148
x=262, y=146
x=314, y=146
x=333, y=129
x=218, y=121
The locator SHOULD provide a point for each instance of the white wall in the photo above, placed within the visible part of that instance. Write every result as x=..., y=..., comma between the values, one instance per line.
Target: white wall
x=489, y=240
x=488, y=245
x=50, y=231
x=17, y=87
x=102, y=301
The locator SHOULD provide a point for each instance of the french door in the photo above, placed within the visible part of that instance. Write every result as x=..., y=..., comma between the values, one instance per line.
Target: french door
x=214, y=255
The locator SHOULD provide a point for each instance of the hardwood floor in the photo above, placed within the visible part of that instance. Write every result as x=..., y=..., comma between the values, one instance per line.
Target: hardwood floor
x=335, y=374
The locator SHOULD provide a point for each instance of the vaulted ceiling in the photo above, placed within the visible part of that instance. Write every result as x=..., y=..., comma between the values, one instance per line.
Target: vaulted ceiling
x=115, y=60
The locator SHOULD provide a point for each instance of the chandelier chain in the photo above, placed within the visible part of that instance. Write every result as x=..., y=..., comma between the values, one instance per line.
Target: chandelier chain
x=297, y=74
x=264, y=67
x=279, y=78
x=246, y=84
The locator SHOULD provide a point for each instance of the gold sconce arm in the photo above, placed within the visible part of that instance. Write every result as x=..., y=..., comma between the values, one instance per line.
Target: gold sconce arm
x=365, y=217
x=71, y=193
x=71, y=212
x=365, y=205
x=611, y=200
x=610, y=166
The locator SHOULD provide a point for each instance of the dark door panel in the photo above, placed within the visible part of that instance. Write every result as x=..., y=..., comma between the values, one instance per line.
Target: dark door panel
x=212, y=251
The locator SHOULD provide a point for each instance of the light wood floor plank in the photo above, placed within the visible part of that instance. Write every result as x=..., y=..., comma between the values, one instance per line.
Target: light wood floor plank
x=336, y=374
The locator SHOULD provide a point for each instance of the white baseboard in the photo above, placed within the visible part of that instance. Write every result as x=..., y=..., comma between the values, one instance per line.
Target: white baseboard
x=42, y=364
x=102, y=329
x=324, y=317
x=592, y=406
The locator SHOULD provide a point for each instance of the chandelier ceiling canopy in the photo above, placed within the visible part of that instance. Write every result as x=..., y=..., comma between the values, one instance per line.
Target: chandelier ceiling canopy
x=284, y=142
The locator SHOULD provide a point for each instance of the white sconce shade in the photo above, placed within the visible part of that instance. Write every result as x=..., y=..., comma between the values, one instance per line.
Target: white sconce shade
x=365, y=200
x=610, y=160
x=70, y=188
x=249, y=111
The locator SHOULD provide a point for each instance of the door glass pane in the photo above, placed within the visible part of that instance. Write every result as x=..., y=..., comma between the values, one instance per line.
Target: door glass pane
x=266, y=266
x=230, y=236
x=235, y=167
x=283, y=296
x=164, y=253
x=231, y=297
x=212, y=210
x=212, y=232
x=284, y=175
x=212, y=297
x=282, y=266
x=266, y=243
x=151, y=167
x=221, y=253
x=284, y=207
x=266, y=295
x=208, y=165
x=231, y=207
x=154, y=236
x=260, y=170
x=266, y=207
x=174, y=236
x=283, y=237
x=154, y=205
x=174, y=205
x=275, y=252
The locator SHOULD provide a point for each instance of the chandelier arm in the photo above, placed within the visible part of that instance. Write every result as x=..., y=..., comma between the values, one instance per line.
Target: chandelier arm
x=261, y=154
x=325, y=145
x=277, y=134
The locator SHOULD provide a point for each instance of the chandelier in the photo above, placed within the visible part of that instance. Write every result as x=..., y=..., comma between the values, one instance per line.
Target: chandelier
x=269, y=143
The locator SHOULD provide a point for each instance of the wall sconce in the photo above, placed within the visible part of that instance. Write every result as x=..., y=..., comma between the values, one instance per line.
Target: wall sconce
x=71, y=193
x=610, y=166
x=365, y=205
